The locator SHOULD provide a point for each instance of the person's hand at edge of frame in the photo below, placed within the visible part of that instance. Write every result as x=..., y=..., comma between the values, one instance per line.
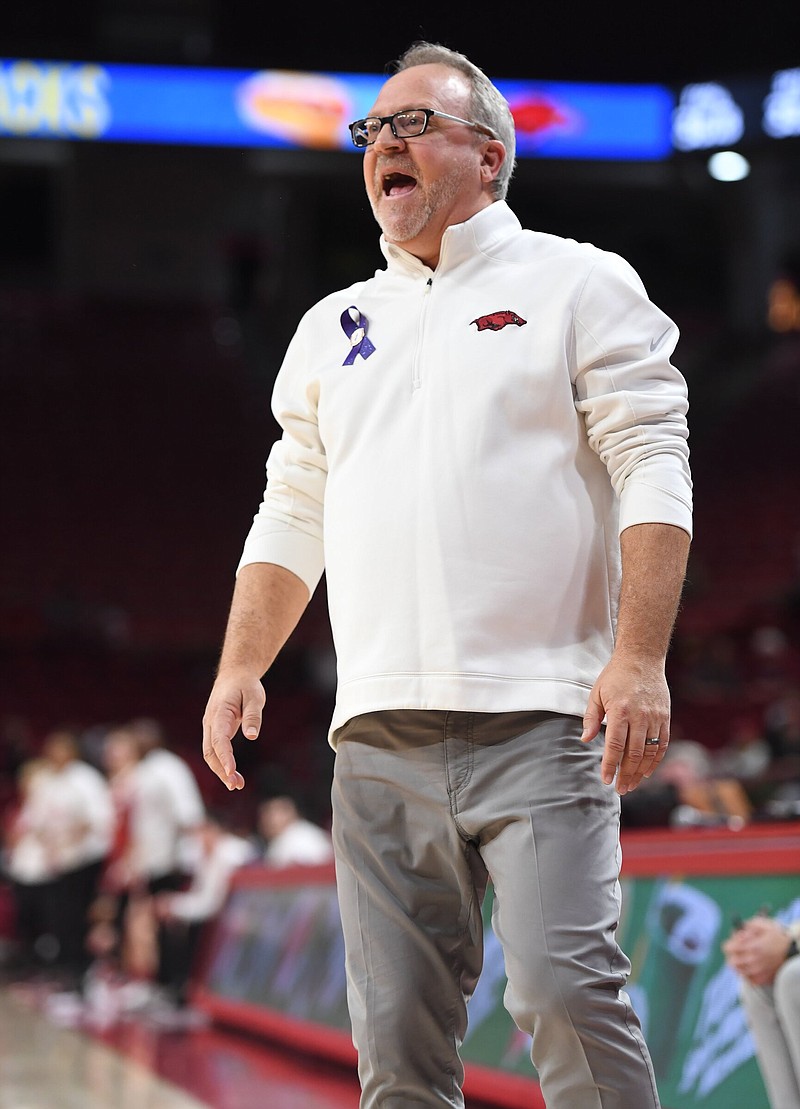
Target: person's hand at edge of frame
x=757, y=948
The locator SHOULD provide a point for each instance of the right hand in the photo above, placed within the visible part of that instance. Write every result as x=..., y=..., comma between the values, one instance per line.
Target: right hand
x=236, y=700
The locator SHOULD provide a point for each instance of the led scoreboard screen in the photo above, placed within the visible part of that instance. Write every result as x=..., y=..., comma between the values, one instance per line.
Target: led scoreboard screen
x=274, y=108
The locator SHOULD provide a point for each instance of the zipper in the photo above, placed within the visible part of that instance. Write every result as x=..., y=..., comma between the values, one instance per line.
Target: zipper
x=416, y=375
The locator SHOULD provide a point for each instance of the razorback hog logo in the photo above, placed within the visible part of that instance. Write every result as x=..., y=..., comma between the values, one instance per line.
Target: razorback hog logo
x=496, y=321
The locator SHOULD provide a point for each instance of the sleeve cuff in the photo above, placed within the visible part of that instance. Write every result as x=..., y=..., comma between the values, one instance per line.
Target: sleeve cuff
x=650, y=504
x=294, y=550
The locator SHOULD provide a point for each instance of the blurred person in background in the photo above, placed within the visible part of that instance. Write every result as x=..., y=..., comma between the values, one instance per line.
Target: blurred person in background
x=29, y=868
x=702, y=798
x=220, y=852
x=77, y=838
x=288, y=837
x=166, y=810
x=167, y=807
x=782, y=729
x=686, y=793
x=119, y=894
x=485, y=450
x=763, y=951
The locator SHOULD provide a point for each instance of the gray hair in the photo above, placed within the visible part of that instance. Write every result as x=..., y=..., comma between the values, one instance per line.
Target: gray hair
x=487, y=105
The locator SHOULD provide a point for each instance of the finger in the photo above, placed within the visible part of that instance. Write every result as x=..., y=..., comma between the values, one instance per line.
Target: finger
x=628, y=775
x=219, y=727
x=223, y=750
x=642, y=756
x=593, y=718
x=660, y=751
x=227, y=774
x=613, y=751
x=251, y=714
x=209, y=754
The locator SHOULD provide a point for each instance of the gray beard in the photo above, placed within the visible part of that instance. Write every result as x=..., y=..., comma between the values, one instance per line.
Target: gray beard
x=402, y=226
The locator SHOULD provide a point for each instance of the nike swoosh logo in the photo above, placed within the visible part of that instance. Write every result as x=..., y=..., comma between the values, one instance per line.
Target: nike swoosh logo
x=656, y=343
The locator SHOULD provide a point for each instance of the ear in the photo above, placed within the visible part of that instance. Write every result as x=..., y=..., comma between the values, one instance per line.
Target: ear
x=494, y=154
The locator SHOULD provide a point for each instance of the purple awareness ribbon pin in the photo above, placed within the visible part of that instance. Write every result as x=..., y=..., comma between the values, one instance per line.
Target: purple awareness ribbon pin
x=354, y=326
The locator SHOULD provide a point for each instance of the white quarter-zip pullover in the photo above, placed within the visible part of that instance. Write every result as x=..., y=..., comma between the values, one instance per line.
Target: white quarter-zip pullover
x=461, y=449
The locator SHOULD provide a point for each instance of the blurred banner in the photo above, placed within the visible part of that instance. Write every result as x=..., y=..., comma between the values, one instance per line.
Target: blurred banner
x=274, y=108
x=274, y=963
x=685, y=995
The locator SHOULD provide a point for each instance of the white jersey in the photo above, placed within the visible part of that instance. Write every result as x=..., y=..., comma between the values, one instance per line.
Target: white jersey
x=165, y=804
x=75, y=805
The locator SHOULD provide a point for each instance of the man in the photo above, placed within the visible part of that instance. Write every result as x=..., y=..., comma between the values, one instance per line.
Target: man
x=75, y=823
x=479, y=421
x=763, y=951
x=167, y=810
x=288, y=838
x=221, y=851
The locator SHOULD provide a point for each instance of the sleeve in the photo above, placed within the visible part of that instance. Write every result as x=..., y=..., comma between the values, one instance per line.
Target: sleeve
x=206, y=894
x=633, y=400
x=287, y=529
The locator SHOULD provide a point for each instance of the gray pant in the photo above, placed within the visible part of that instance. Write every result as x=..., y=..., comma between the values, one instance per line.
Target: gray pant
x=773, y=1014
x=428, y=805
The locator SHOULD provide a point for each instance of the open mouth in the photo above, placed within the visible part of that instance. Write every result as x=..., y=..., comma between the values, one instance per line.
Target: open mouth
x=398, y=184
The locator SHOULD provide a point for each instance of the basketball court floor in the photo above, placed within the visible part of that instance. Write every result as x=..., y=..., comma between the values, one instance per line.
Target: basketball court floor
x=55, y=1057
x=49, y=1060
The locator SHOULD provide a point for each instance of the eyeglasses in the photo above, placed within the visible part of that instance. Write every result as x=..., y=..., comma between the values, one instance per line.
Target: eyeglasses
x=405, y=125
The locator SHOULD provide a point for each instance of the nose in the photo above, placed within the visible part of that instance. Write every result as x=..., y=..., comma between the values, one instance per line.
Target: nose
x=387, y=140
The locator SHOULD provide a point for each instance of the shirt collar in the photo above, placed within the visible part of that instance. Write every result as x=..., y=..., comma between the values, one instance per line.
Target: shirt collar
x=477, y=235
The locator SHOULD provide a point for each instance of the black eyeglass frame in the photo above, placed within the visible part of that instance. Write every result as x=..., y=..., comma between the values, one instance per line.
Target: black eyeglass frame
x=428, y=113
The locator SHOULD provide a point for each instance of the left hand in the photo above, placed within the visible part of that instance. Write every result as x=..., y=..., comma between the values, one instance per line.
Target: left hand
x=757, y=950
x=631, y=694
